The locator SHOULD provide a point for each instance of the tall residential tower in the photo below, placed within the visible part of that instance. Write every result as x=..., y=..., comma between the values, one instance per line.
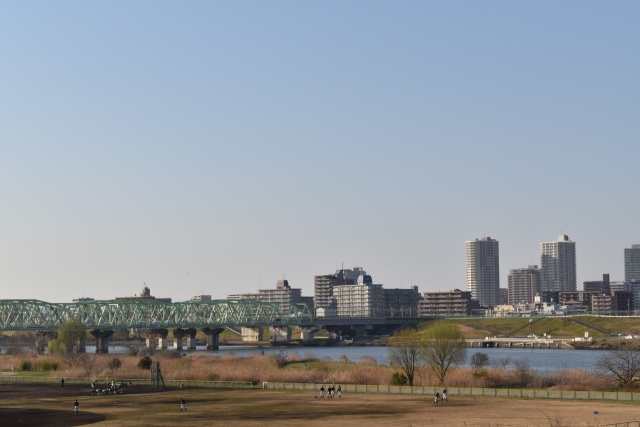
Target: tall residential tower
x=483, y=271
x=558, y=265
x=632, y=263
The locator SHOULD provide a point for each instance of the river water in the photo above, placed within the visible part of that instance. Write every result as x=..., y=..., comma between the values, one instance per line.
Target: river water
x=542, y=361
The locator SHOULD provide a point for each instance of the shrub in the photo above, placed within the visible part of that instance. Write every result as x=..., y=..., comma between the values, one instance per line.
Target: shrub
x=47, y=365
x=114, y=364
x=361, y=375
x=24, y=365
x=168, y=354
x=368, y=360
x=145, y=363
x=399, y=378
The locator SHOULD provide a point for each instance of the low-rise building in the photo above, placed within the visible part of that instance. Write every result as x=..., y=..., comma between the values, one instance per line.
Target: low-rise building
x=447, y=304
x=402, y=302
x=283, y=294
x=613, y=303
x=145, y=294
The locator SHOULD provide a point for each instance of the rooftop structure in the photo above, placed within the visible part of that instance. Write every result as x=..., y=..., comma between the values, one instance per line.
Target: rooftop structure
x=145, y=294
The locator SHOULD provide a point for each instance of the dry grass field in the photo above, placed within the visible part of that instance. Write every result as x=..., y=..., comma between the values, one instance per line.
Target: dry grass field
x=48, y=405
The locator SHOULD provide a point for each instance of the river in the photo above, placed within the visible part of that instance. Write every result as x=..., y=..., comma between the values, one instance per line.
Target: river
x=542, y=361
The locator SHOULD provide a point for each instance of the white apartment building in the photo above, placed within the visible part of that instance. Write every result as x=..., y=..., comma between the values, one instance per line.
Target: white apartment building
x=483, y=270
x=558, y=265
x=364, y=299
x=323, y=288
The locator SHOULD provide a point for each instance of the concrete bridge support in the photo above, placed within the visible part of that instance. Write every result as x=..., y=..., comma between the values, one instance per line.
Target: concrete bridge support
x=191, y=339
x=280, y=333
x=151, y=342
x=213, y=337
x=161, y=334
x=178, y=334
x=359, y=330
x=251, y=334
x=102, y=340
x=42, y=340
x=307, y=334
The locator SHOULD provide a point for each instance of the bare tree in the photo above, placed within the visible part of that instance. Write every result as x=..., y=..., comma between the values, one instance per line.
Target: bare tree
x=523, y=371
x=444, y=347
x=478, y=362
x=86, y=362
x=404, y=351
x=19, y=343
x=502, y=363
x=622, y=365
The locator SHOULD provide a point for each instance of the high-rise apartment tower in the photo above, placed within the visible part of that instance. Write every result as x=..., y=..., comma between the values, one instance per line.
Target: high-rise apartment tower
x=632, y=263
x=558, y=265
x=483, y=271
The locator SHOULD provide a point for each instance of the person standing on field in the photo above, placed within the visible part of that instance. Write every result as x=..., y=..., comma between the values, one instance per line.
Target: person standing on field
x=183, y=405
x=75, y=407
x=444, y=394
x=61, y=382
x=322, y=391
x=339, y=391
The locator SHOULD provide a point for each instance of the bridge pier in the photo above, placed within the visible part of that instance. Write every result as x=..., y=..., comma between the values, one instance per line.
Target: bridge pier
x=42, y=340
x=280, y=333
x=159, y=333
x=178, y=334
x=251, y=334
x=213, y=337
x=191, y=339
x=358, y=330
x=102, y=340
x=307, y=334
x=151, y=342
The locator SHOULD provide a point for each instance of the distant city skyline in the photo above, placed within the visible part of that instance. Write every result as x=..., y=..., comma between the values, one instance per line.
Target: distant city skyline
x=218, y=147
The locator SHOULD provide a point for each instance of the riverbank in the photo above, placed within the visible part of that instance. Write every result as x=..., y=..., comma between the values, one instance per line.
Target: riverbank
x=539, y=368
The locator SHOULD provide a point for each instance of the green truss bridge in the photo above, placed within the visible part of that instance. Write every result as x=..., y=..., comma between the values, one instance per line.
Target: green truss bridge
x=102, y=317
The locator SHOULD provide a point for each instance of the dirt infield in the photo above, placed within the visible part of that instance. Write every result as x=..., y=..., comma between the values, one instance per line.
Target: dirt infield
x=48, y=405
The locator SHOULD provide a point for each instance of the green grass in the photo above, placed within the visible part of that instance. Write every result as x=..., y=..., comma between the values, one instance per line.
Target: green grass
x=557, y=327
x=32, y=374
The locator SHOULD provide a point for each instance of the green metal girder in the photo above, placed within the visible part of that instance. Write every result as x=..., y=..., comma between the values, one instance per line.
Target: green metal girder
x=30, y=315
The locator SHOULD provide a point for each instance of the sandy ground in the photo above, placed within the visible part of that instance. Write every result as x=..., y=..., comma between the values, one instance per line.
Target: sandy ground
x=47, y=405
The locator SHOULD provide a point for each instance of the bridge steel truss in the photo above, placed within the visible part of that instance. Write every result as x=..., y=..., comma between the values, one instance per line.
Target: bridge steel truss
x=35, y=315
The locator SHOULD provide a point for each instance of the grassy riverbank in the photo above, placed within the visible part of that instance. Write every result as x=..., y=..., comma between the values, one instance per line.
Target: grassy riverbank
x=296, y=367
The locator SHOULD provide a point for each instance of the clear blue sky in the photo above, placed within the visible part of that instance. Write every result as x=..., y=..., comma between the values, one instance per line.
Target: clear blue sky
x=212, y=147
